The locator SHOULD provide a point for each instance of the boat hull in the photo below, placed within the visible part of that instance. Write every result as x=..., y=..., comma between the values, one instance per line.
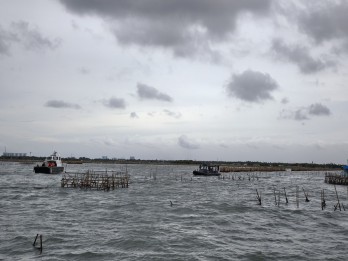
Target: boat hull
x=202, y=173
x=48, y=170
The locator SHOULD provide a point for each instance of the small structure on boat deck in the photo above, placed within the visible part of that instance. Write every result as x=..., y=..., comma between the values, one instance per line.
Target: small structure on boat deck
x=338, y=179
x=51, y=165
x=207, y=170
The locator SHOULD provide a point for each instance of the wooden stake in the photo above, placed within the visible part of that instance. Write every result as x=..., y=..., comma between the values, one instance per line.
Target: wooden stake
x=35, y=239
x=297, y=198
x=258, y=197
x=286, y=198
x=323, y=203
x=338, y=200
x=275, y=197
x=278, y=198
x=40, y=244
x=306, y=195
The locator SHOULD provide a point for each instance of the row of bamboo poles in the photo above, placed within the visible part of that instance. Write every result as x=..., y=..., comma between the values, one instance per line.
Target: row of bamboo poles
x=266, y=168
x=277, y=198
x=96, y=180
x=336, y=179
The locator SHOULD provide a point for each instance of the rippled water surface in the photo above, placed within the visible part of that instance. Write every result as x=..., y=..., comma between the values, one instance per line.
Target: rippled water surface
x=210, y=219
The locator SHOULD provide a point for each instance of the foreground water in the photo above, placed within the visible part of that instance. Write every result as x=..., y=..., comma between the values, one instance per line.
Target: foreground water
x=210, y=219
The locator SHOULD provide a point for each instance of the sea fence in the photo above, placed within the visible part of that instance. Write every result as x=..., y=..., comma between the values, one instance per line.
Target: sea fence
x=337, y=179
x=100, y=180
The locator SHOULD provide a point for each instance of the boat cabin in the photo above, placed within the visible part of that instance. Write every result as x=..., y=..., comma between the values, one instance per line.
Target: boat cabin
x=345, y=171
x=53, y=160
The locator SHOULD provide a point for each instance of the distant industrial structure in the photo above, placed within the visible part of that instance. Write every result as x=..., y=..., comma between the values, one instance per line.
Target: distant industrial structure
x=16, y=154
x=11, y=154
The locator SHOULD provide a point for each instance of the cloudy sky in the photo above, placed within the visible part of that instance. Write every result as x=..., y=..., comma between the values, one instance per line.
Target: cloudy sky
x=256, y=80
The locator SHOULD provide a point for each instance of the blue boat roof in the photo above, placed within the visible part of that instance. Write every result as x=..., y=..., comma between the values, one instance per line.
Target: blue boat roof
x=345, y=167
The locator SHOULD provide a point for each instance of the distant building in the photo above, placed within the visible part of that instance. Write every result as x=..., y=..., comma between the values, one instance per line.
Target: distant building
x=104, y=157
x=132, y=158
x=10, y=154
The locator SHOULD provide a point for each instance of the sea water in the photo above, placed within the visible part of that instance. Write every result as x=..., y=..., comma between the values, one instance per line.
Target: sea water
x=169, y=214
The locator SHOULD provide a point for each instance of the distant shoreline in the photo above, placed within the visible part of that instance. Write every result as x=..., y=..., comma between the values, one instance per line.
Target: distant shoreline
x=226, y=166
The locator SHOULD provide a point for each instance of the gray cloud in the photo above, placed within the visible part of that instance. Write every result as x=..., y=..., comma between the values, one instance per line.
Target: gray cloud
x=300, y=56
x=325, y=21
x=62, y=105
x=252, y=86
x=182, y=26
x=114, y=103
x=133, y=115
x=297, y=115
x=301, y=114
x=83, y=70
x=6, y=39
x=31, y=38
x=285, y=100
x=184, y=142
x=319, y=110
x=150, y=93
x=172, y=114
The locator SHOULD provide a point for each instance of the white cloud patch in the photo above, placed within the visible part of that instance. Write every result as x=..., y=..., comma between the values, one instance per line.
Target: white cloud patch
x=146, y=92
x=187, y=143
x=252, y=86
x=59, y=104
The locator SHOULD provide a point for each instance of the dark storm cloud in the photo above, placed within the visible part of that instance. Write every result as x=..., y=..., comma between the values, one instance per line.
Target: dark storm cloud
x=150, y=93
x=185, y=143
x=62, y=105
x=300, y=56
x=114, y=103
x=30, y=37
x=252, y=86
x=325, y=20
x=179, y=25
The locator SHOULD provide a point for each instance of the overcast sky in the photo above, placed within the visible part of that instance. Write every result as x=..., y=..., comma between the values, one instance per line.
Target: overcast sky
x=256, y=80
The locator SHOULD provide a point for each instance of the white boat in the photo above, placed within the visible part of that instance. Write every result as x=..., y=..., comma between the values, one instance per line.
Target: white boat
x=51, y=165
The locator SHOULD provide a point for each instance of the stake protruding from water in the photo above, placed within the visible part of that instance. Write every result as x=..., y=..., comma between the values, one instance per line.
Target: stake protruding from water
x=34, y=244
x=323, y=203
x=259, y=197
x=306, y=195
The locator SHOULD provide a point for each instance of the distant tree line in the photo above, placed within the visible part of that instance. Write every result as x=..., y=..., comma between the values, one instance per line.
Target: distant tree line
x=73, y=160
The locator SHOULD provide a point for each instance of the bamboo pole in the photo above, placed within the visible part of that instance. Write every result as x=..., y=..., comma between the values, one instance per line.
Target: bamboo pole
x=338, y=200
x=286, y=198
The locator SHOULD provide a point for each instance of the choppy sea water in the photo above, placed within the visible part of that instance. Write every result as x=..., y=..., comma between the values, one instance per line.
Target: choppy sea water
x=210, y=219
